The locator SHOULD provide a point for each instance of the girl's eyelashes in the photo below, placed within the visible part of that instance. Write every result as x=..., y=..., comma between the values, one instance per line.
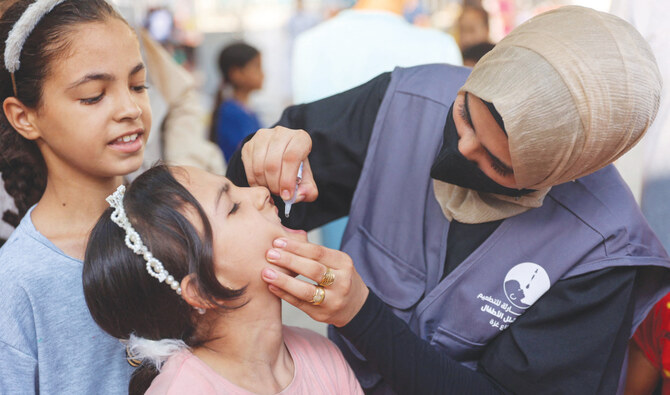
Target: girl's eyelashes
x=236, y=206
x=92, y=100
x=140, y=88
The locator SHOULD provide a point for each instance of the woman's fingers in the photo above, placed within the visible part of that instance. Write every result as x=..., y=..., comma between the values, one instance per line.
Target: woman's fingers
x=297, y=264
x=316, y=312
x=330, y=258
x=301, y=290
x=300, y=294
x=275, y=161
x=307, y=190
x=253, y=157
x=297, y=149
x=272, y=158
x=344, y=295
x=339, y=306
x=287, y=297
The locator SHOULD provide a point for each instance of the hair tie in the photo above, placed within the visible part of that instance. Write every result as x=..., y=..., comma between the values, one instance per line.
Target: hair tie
x=140, y=350
x=20, y=32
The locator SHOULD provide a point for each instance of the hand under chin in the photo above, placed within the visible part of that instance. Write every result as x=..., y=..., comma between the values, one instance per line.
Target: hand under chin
x=295, y=234
x=283, y=270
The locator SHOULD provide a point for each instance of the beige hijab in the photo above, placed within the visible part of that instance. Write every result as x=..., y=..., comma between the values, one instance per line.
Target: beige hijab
x=576, y=89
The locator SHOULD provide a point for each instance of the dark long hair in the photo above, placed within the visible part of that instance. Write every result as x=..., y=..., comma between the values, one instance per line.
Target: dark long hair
x=21, y=163
x=235, y=55
x=122, y=297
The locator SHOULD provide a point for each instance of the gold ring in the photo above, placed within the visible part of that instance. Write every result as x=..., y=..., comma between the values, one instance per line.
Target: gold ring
x=328, y=278
x=319, y=296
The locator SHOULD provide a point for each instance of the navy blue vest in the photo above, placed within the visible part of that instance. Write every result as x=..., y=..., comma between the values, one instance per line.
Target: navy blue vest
x=582, y=226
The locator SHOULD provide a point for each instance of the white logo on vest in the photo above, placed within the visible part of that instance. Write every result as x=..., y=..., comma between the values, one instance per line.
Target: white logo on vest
x=525, y=283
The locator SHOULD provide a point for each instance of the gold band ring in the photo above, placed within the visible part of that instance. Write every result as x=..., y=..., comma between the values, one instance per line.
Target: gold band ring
x=328, y=278
x=319, y=295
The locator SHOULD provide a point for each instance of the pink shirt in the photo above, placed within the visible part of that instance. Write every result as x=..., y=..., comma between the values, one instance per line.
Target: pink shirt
x=320, y=368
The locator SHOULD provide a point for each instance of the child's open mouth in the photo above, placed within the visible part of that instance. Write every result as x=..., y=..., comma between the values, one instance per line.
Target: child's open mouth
x=128, y=143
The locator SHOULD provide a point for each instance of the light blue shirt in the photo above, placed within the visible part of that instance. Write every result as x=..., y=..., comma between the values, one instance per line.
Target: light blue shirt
x=357, y=45
x=48, y=341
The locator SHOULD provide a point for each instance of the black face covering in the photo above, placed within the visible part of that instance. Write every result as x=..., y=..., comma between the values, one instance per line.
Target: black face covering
x=452, y=167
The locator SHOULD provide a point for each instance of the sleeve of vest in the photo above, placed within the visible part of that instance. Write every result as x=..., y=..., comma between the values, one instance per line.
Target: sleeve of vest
x=572, y=340
x=340, y=127
x=409, y=364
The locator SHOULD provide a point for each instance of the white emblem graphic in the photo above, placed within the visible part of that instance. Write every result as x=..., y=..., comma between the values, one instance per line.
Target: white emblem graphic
x=525, y=283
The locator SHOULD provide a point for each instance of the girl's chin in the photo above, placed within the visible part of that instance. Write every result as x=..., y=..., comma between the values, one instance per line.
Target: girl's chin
x=295, y=234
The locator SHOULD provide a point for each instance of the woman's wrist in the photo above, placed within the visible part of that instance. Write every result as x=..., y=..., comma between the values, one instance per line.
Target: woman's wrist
x=356, y=308
x=363, y=317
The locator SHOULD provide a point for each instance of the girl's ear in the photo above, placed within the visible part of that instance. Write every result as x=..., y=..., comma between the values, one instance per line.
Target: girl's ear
x=189, y=292
x=21, y=118
x=234, y=75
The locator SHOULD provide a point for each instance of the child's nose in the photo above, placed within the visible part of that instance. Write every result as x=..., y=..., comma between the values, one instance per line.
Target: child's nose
x=260, y=195
x=128, y=108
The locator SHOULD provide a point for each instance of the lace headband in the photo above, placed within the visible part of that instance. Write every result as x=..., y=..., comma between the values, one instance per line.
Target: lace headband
x=138, y=349
x=20, y=32
x=134, y=242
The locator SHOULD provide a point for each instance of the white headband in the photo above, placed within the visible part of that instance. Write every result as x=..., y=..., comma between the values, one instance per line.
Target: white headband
x=134, y=242
x=22, y=29
x=20, y=32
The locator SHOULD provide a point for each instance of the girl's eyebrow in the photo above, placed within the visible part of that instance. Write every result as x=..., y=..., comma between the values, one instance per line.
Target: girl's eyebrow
x=136, y=69
x=224, y=189
x=91, y=77
x=103, y=76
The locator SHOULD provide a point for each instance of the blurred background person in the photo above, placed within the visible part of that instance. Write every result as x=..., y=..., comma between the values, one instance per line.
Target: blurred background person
x=179, y=135
x=472, y=54
x=472, y=27
x=353, y=47
x=301, y=20
x=416, y=14
x=241, y=74
x=358, y=44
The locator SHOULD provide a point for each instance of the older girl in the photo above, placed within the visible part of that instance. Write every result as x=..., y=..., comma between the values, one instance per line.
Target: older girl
x=75, y=119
